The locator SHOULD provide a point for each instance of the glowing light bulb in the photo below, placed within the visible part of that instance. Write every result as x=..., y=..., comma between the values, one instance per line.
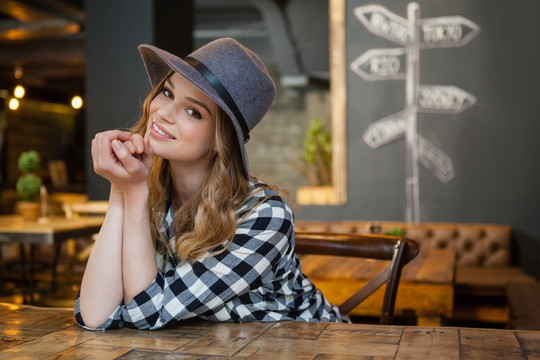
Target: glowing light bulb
x=19, y=91
x=76, y=102
x=13, y=104
x=18, y=72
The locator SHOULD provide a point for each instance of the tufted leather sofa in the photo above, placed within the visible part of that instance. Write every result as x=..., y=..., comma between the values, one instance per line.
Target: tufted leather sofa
x=479, y=245
x=483, y=256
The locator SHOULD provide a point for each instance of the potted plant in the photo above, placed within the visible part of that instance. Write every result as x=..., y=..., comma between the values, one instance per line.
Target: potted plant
x=317, y=164
x=29, y=184
x=317, y=154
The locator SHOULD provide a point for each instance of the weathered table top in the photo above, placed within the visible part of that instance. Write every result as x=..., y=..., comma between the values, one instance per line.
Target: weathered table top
x=38, y=333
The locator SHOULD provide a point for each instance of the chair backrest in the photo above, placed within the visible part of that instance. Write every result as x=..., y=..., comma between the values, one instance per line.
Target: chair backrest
x=399, y=250
x=58, y=173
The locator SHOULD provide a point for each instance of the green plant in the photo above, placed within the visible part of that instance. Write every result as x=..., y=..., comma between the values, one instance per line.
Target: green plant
x=29, y=161
x=395, y=232
x=28, y=184
x=317, y=154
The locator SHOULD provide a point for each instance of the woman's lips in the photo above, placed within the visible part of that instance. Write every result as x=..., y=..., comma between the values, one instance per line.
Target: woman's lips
x=158, y=130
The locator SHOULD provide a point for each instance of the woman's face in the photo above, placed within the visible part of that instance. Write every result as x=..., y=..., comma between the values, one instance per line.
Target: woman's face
x=182, y=124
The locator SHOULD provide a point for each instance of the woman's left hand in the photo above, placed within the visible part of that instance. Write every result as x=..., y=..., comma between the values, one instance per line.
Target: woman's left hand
x=137, y=159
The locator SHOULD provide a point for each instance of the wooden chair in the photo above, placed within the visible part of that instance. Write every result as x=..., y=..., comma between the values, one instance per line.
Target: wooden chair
x=399, y=250
x=58, y=173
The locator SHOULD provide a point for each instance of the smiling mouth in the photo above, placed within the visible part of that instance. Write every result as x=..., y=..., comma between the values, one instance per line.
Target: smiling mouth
x=161, y=132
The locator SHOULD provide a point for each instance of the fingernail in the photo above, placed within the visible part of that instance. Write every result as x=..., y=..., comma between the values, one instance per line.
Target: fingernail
x=116, y=143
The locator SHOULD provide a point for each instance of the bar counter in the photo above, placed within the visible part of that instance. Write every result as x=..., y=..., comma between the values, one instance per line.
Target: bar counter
x=46, y=333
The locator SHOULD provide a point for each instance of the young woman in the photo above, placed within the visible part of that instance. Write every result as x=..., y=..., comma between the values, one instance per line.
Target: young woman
x=188, y=233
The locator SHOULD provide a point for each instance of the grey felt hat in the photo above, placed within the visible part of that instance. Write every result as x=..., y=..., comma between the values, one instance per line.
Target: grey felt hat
x=229, y=73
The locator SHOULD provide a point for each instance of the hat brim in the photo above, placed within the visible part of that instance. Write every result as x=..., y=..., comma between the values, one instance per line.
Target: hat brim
x=159, y=62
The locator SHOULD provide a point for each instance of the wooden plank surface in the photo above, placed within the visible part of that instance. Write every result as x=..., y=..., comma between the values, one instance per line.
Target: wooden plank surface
x=438, y=266
x=41, y=333
x=429, y=343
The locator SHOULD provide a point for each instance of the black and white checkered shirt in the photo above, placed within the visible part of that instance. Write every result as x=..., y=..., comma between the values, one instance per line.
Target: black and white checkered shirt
x=258, y=278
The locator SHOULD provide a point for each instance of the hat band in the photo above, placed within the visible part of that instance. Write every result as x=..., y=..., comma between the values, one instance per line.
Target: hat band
x=222, y=92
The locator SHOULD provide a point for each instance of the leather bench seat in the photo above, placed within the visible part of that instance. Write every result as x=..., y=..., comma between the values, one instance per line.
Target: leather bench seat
x=483, y=245
x=483, y=255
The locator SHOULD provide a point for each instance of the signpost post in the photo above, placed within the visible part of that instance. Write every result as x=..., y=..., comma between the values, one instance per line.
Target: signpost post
x=386, y=64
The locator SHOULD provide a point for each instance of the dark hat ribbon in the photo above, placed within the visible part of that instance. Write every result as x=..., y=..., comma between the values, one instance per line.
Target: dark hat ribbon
x=222, y=92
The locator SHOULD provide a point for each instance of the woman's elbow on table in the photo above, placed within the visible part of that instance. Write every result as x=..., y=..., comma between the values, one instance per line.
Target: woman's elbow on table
x=92, y=318
x=90, y=322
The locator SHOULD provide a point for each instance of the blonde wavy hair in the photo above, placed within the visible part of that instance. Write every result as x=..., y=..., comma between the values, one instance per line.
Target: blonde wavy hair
x=209, y=218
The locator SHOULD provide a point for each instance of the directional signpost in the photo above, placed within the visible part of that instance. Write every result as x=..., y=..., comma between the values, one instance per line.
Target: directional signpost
x=403, y=63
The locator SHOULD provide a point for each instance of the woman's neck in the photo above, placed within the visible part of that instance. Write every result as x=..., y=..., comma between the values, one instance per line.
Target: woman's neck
x=186, y=184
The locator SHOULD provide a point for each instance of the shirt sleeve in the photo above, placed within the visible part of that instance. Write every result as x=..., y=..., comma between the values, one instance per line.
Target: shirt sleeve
x=203, y=287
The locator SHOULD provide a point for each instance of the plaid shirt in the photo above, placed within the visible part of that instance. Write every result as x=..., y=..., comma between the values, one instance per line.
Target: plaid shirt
x=257, y=278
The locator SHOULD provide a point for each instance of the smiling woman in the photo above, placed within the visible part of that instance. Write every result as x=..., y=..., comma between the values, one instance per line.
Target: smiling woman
x=188, y=232
x=182, y=124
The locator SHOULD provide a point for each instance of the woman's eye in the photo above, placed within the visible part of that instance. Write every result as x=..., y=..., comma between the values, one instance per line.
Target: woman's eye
x=194, y=113
x=167, y=93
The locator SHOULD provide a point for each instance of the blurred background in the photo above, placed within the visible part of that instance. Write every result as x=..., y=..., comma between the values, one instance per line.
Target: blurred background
x=60, y=49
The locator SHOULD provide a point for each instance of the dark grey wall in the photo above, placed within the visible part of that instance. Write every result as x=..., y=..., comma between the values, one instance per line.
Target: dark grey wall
x=493, y=144
x=115, y=78
x=116, y=81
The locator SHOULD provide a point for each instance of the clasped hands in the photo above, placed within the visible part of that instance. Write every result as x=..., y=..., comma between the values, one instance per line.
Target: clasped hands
x=123, y=158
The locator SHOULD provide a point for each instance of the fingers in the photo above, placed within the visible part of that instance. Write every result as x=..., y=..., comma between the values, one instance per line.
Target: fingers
x=125, y=156
x=103, y=156
x=121, y=157
x=138, y=142
x=135, y=144
x=148, y=155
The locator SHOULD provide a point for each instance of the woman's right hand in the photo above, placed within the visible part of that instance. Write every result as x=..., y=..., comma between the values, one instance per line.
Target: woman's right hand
x=122, y=158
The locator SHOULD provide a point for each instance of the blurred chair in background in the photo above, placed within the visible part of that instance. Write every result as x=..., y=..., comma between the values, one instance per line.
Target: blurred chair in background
x=398, y=249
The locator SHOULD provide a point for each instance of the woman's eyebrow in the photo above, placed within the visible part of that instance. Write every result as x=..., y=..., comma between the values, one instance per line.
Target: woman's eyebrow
x=200, y=104
x=171, y=84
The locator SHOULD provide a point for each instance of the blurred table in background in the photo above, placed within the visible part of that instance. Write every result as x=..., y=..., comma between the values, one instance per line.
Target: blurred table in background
x=52, y=231
x=426, y=288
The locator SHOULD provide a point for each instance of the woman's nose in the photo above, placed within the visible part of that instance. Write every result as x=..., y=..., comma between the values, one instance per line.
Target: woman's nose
x=166, y=112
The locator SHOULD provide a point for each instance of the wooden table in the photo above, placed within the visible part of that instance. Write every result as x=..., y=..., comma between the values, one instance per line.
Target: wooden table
x=52, y=231
x=46, y=333
x=48, y=231
x=426, y=287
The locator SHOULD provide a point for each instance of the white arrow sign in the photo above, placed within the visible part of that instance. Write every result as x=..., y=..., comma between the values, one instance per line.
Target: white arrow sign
x=383, y=22
x=435, y=160
x=392, y=127
x=447, y=31
x=443, y=99
x=380, y=64
x=385, y=130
